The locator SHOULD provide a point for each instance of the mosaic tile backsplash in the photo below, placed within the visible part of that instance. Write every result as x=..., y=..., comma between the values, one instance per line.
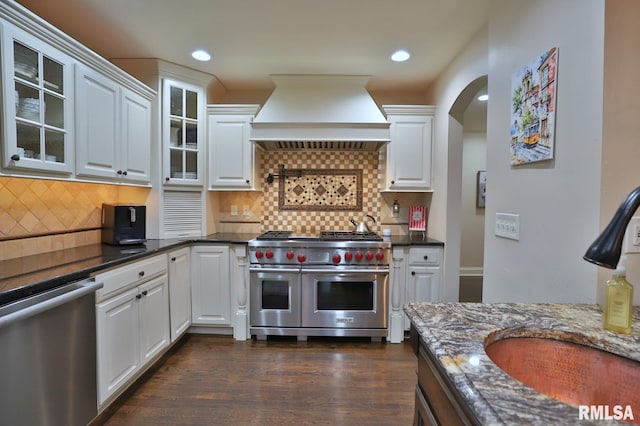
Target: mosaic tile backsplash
x=319, y=165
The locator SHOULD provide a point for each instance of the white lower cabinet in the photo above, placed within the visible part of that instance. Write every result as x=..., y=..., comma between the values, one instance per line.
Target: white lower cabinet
x=423, y=276
x=132, y=315
x=210, y=286
x=179, y=292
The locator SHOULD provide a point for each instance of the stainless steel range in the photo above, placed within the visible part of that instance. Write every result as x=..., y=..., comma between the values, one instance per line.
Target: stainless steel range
x=333, y=284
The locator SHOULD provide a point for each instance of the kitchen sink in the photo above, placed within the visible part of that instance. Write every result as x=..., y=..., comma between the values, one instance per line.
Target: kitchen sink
x=573, y=373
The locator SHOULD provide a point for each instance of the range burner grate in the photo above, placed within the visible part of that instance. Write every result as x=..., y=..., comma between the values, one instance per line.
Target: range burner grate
x=349, y=236
x=274, y=235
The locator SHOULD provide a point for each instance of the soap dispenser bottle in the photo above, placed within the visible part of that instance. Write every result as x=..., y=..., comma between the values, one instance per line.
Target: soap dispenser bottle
x=619, y=303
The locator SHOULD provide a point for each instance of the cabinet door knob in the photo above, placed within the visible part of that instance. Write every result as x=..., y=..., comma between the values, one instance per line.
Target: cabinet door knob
x=393, y=182
x=167, y=179
x=144, y=293
x=173, y=259
x=138, y=296
x=119, y=172
x=15, y=157
x=426, y=258
x=141, y=274
x=413, y=272
x=124, y=172
x=248, y=180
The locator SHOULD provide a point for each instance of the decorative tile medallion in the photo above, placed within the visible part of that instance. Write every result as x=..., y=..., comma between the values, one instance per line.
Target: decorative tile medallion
x=312, y=221
x=320, y=190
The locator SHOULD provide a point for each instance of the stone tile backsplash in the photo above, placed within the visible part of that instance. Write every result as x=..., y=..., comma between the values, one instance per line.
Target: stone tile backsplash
x=32, y=208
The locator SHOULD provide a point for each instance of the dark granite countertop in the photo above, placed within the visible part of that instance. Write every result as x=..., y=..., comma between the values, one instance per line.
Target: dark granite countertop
x=27, y=275
x=414, y=240
x=455, y=334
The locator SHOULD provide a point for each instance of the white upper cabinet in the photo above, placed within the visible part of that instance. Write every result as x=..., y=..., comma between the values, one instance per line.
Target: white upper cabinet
x=231, y=153
x=408, y=155
x=183, y=133
x=68, y=112
x=37, y=87
x=113, y=129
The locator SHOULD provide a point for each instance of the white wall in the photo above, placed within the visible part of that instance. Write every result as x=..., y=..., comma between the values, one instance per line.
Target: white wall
x=621, y=150
x=558, y=201
x=474, y=158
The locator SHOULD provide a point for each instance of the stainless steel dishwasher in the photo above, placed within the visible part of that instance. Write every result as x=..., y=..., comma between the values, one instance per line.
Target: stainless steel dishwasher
x=48, y=357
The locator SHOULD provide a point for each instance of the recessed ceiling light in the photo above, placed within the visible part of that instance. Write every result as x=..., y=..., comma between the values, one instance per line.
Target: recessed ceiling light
x=200, y=55
x=483, y=97
x=400, y=56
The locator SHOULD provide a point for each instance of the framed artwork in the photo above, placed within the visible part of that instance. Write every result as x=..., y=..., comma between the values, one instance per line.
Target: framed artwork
x=481, y=188
x=533, y=109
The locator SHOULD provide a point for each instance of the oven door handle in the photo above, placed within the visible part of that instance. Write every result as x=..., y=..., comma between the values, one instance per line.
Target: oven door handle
x=278, y=270
x=344, y=271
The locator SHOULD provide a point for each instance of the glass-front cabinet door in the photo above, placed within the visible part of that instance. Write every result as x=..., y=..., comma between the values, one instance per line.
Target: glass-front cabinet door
x=183, y=133
x=37, y=86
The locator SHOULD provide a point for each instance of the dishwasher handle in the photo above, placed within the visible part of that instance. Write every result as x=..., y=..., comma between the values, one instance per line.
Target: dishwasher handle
x=76, y=290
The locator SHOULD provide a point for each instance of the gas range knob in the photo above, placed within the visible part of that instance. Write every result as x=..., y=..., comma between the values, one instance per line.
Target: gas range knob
x=348, y=256
x=337, y=258
x=289, y=255
x=379, y=255
x=302, y=258
x=259, y=254
x=269, y=254
x=369, y=256
x=359, y=256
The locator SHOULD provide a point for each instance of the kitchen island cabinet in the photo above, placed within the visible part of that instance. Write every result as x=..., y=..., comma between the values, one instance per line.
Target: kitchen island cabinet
x=451, y=338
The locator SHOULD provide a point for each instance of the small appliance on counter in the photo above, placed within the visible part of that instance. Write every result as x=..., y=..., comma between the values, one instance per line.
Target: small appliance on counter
x=123, y=224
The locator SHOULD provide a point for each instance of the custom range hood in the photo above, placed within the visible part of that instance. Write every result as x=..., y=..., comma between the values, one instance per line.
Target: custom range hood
x=320, y=112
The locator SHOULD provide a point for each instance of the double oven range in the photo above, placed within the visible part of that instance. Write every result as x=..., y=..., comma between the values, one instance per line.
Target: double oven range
x=333, y=284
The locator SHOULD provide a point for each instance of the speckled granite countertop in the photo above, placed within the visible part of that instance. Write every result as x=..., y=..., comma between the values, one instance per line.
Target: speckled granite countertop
x=455, y=334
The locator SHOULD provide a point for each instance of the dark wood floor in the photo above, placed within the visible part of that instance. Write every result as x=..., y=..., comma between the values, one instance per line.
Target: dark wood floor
x=214, y=380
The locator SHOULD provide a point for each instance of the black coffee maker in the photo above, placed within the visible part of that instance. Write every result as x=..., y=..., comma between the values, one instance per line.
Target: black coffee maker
x=123, y=224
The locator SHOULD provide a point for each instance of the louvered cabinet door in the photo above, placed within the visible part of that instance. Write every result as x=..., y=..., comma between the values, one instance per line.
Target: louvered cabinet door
x=183, y=214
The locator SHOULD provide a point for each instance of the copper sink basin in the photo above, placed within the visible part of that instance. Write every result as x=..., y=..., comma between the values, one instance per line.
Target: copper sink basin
x=569, y=372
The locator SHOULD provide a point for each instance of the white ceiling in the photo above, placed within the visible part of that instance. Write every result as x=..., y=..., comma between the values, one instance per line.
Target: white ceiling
x=252, y=39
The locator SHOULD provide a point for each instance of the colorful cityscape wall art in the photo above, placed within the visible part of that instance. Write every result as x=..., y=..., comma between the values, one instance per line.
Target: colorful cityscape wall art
x=533, y=105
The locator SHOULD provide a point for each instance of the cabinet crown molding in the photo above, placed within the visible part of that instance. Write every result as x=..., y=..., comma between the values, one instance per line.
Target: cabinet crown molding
x=409, y=109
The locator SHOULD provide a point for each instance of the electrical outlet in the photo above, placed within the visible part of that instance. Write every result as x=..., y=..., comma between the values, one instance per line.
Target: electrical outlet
x=632, y=236
x=508, y=226
x=234, y=210
x=246, y=211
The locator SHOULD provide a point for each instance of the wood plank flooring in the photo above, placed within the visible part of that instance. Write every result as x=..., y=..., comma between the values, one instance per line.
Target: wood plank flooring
x=215, y=380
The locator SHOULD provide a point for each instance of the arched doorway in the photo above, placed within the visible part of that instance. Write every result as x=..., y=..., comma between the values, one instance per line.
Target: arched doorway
x=465, y=221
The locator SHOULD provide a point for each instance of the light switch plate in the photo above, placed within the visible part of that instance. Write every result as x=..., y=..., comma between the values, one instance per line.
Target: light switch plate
x=508, y=226
x=632, y=236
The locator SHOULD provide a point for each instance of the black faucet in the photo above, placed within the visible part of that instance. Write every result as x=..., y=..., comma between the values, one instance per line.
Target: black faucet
x=605, y=250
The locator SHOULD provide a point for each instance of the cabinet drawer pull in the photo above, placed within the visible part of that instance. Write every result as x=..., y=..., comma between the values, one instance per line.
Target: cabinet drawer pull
x=141, y=274
x=413, y=272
